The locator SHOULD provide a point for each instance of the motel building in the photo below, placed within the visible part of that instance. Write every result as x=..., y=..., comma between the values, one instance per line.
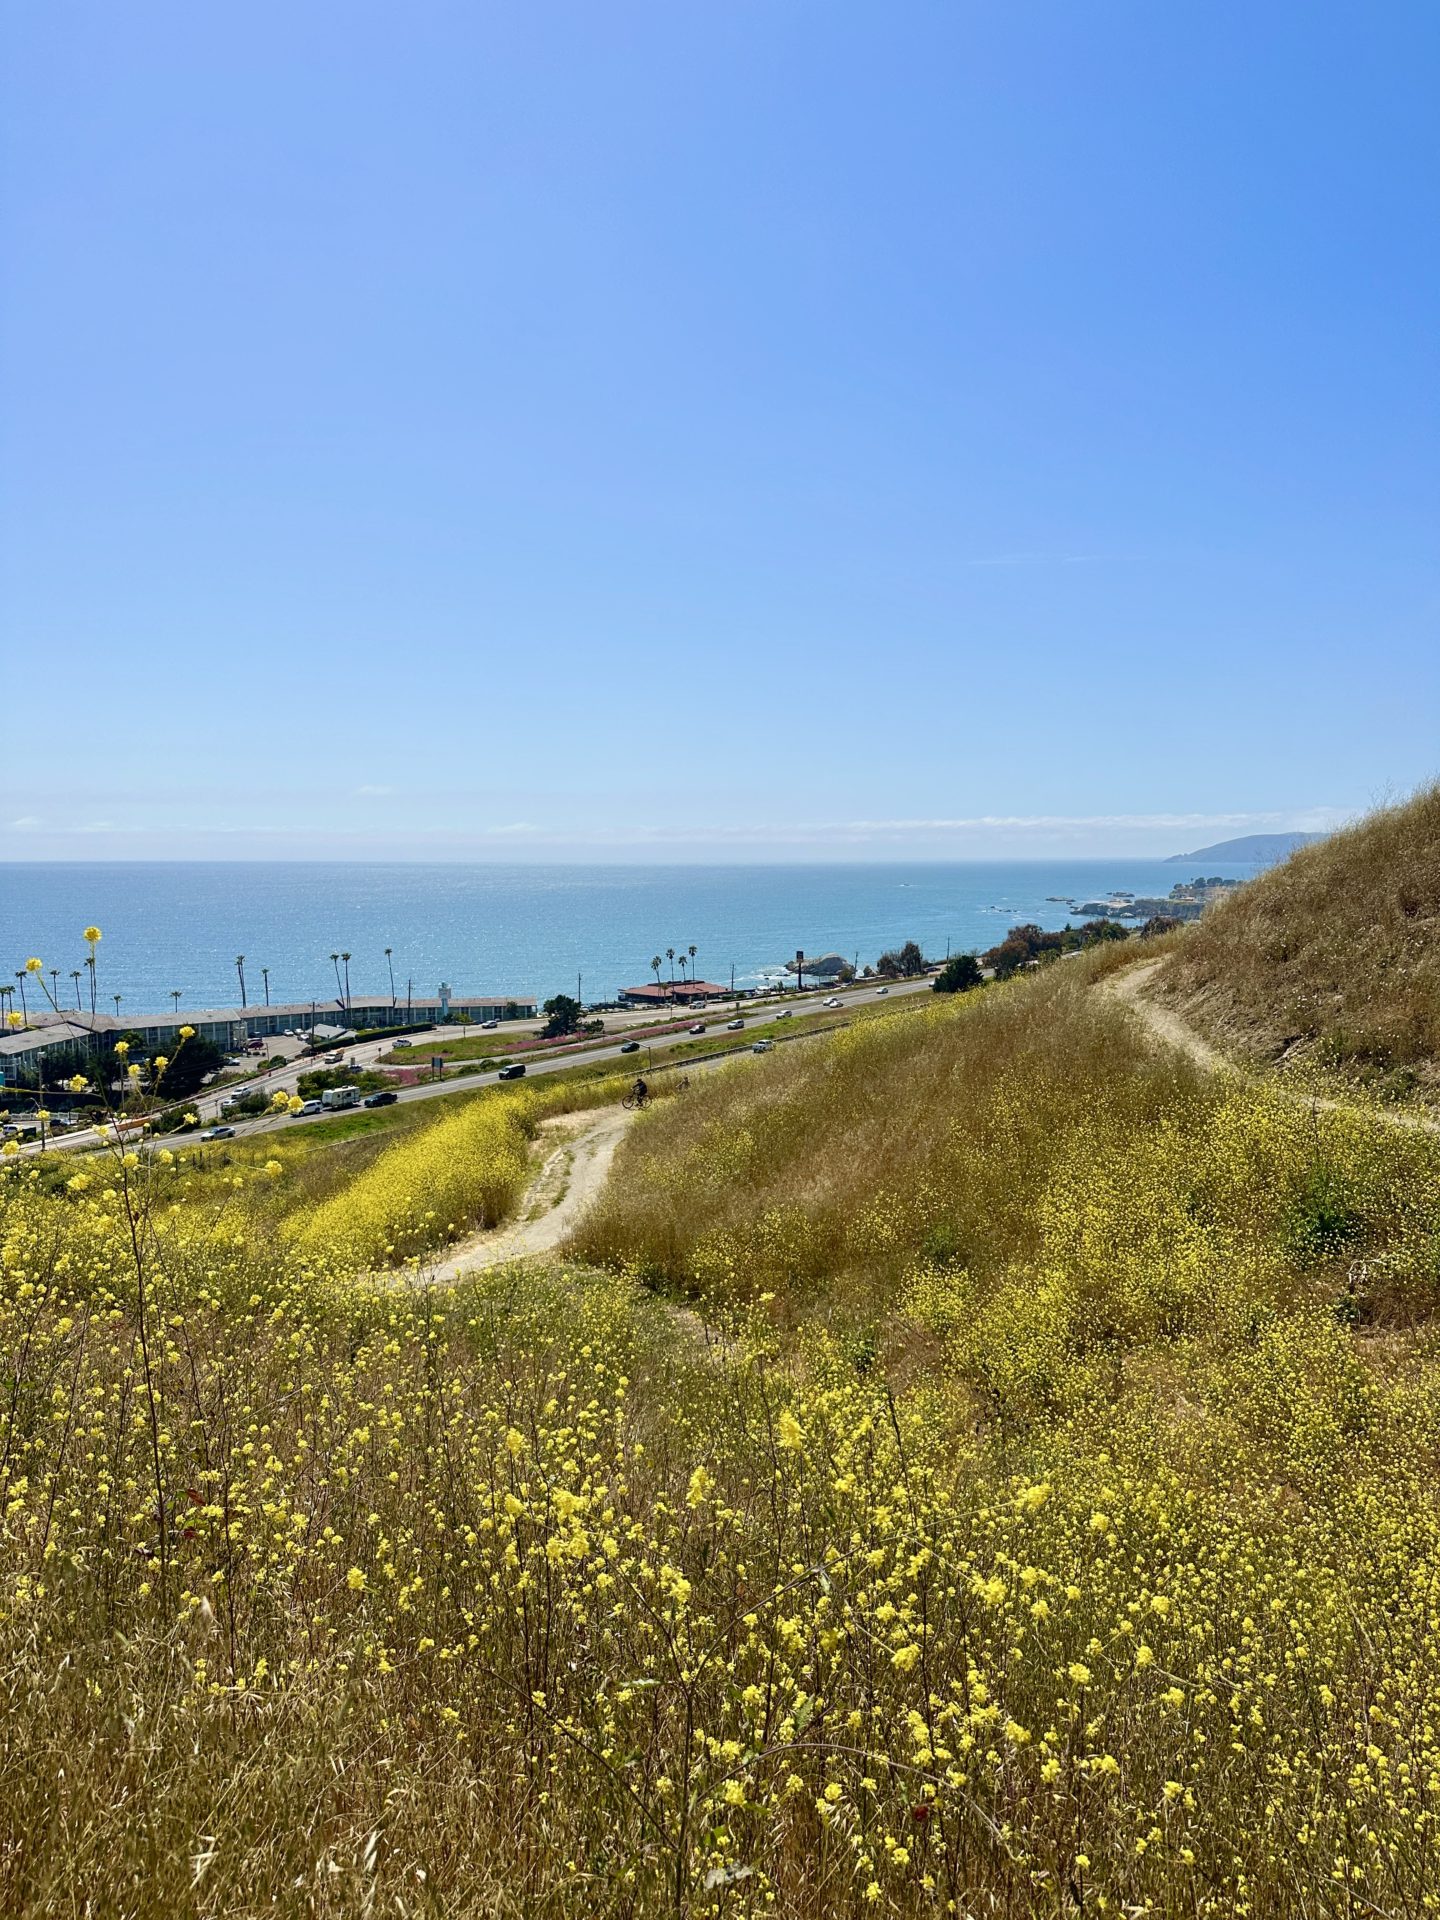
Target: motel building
x=55, y=1045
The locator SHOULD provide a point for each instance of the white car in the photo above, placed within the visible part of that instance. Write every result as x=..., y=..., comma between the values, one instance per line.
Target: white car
x=763, y=1046
x=733, y=1026
x=879, y=991
x=402, y=1043
x=786, y=1015
x=831, y=1002
x=310, y=1106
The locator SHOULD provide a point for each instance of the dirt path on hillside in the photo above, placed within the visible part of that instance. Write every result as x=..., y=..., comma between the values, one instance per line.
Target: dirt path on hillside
x=1130, y=986
x=573, y=1171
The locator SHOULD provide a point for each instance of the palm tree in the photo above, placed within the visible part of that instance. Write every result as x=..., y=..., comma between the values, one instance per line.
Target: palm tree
x=335, y=962
x=175, y=996
x=55, y=988
x=346, y=958
x=20, y=976
x=240, y=969
x=655, y=968
x=75, y=976
x=90, y=963
x=682, y=969
x=391, y=965
x=116, y=999
x=670, y=956
x=265, y=976
x=693, y=975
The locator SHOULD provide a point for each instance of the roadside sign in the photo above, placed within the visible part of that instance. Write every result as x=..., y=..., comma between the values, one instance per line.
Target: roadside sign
x=437, y=1065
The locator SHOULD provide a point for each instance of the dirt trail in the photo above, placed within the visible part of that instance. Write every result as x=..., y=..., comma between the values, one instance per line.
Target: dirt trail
x=1129, y=987
x=569, y=1177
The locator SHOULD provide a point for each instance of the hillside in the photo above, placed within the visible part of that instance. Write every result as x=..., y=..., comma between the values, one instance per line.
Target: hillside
x=976, y=1461
x=1331, y=960
x=1251, y=849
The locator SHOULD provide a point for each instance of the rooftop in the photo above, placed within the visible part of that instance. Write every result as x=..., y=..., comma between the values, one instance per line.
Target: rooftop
x=676, y=991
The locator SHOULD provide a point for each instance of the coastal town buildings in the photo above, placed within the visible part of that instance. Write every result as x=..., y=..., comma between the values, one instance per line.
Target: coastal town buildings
x=53, y=1041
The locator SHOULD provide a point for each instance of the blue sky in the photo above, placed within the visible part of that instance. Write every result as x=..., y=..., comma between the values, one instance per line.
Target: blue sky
x=667, y=430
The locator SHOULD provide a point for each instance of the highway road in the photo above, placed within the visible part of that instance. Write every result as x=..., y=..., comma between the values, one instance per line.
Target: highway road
x=283, y=1079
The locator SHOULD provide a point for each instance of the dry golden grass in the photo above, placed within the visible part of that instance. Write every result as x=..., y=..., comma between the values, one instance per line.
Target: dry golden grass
x=1060, y=1538
x=825, y=1173
x=1065, y=1584
x=1331, y=960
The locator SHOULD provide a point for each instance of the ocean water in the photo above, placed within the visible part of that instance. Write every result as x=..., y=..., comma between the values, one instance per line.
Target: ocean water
x=509, y=929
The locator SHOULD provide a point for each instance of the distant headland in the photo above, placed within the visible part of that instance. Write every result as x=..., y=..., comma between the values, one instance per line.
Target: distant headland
x=1251, y=849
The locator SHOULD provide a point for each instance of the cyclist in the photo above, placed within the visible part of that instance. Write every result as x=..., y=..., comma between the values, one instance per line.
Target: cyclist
x=639, y=1093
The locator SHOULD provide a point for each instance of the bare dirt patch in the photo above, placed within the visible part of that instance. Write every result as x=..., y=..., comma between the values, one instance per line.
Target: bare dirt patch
x=578, y=1150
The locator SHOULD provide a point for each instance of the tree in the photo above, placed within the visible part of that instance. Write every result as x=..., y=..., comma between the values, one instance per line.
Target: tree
x=912, y=960
x=888, y=965
x=1013, y=953
x=562, y=1015
x=958, y=975
x=186, y=1070
x=655, y=966
x=1157, y=924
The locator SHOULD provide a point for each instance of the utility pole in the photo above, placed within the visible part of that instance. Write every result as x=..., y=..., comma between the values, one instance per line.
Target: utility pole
x=391, y=965
x=579, y=996
x=409, y=987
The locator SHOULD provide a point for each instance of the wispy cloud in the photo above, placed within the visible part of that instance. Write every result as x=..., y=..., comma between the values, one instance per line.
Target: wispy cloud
x=373, y=793
x=25, y=822
x=954, y=836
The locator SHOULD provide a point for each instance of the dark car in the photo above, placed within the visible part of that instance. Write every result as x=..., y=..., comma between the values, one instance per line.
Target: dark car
x=515, y=1071
x=630, y=1046
x=385, y=1098
x=699, y=1027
